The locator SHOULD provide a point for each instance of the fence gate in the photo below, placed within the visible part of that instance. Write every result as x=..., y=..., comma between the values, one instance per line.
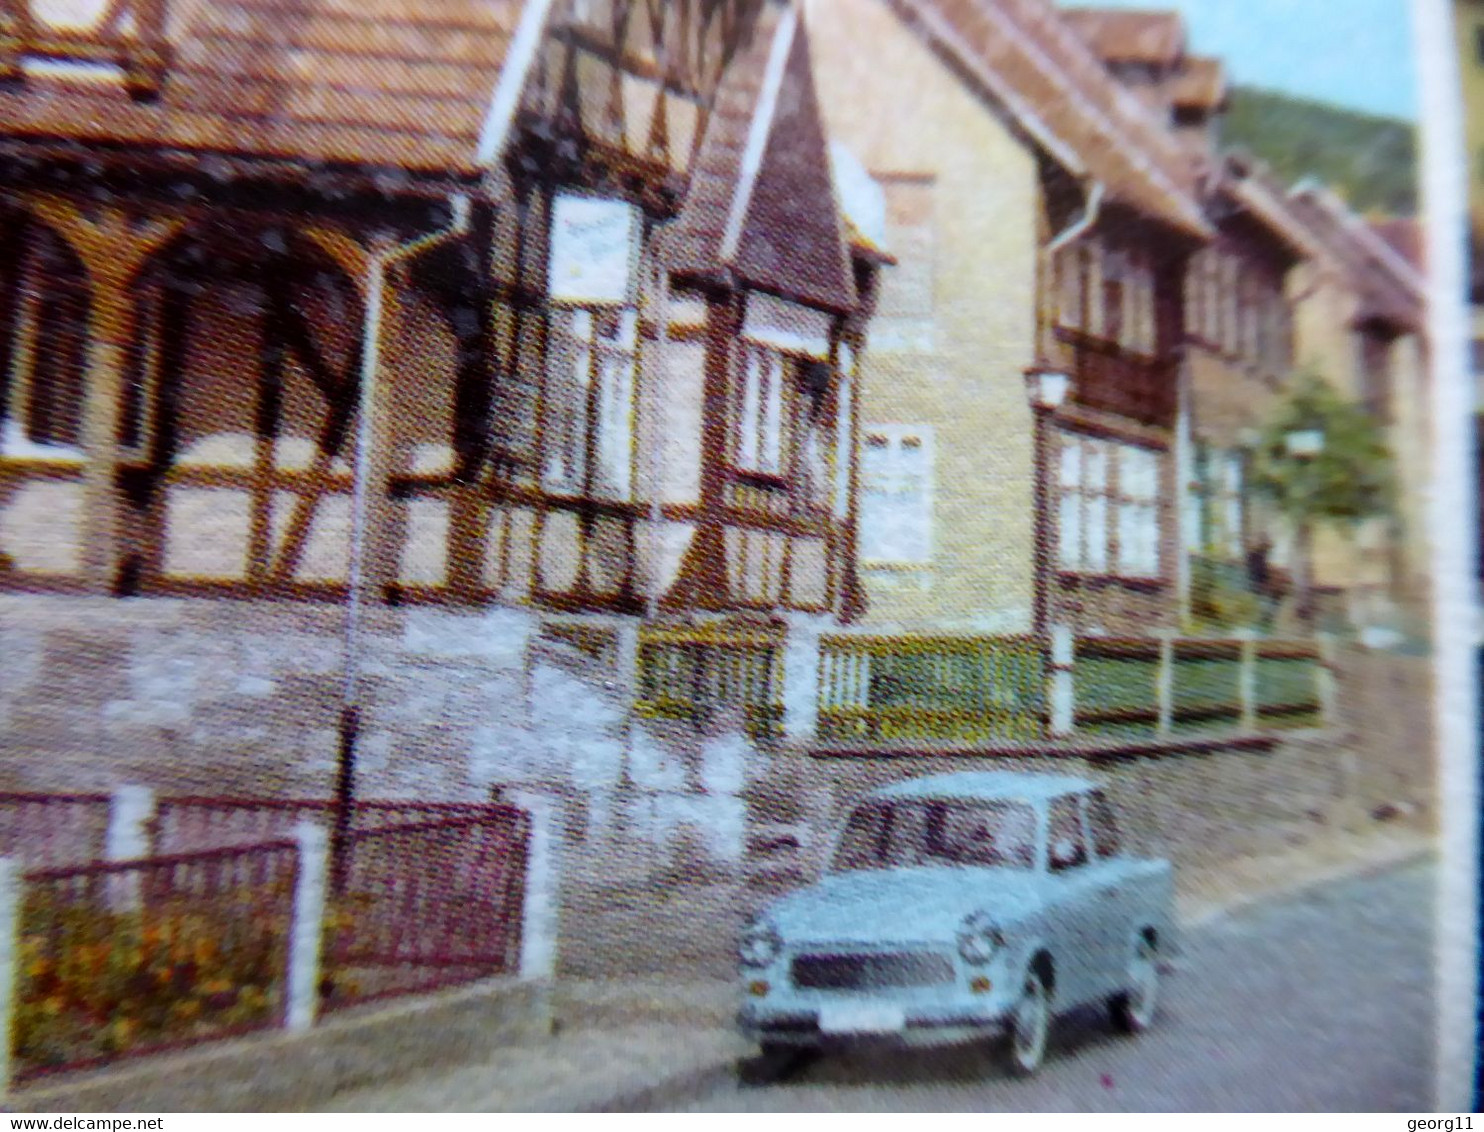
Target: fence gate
x=427, y=905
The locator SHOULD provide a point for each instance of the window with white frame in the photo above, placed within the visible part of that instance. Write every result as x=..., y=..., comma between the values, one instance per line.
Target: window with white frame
x=761, y=410
x=588, y=422
x=1108, y=507
x=896, y=503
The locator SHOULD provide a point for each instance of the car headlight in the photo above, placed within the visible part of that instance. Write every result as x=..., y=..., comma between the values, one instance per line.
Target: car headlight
x=979, y=939
x=760, y=945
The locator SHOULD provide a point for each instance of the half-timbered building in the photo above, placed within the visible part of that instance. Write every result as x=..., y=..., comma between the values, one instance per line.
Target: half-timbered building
x=545, y=303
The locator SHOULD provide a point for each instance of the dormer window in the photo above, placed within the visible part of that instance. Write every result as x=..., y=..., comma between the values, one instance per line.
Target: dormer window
x=92, y=42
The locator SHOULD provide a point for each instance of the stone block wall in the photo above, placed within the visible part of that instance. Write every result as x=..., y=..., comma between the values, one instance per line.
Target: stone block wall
x=669, y=836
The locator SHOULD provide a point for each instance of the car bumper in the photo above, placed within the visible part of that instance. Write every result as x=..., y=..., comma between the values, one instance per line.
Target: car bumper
x=925, y=1025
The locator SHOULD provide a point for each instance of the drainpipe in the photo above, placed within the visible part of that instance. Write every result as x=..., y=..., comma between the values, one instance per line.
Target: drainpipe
x=1076, y=228
x=1041, y=582
x=381, y=262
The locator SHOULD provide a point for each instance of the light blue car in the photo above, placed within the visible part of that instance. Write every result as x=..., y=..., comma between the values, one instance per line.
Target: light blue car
x=959, y=907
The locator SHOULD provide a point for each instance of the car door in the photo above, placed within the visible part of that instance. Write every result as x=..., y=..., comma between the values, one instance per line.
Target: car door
x=1110, y=888
x=1076, y=918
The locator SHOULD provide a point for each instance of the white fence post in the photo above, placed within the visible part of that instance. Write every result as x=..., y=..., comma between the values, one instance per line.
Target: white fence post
x=1324, y=681
x=130, y=811
x=1164, y=684
x=1247, y=680
x=1063, y=693
x=306, y=932
x=801, y=682
x=538, y=935
x=10, y=963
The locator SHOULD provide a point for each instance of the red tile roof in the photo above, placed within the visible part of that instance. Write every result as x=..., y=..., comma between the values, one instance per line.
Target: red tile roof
x=403, y=83
x=1026, y=57
x=1403, y=234
x=1127, y=35
x=1198, y=84
x=1391, y=289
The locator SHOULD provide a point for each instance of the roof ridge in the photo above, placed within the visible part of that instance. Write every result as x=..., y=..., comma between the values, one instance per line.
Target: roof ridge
x=760, y=128
x=1371, y=242
x=1128, y=105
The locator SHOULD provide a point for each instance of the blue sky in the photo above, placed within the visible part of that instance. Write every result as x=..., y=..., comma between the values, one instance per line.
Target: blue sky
x=1356, y=53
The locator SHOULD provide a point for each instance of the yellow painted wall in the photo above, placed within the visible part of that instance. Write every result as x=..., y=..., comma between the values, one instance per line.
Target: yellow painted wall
x=900, y=111
x=1469, y=19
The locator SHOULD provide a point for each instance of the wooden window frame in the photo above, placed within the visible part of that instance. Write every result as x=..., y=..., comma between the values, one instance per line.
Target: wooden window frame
x=764, y=430
x=1108, y=294
x=1219, y=500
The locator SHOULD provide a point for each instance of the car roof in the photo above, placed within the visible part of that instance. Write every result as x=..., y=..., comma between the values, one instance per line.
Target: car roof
x=1022, y=786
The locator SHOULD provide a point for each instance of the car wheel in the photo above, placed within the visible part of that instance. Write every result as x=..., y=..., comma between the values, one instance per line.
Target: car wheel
x=1030, y=1025
x=1133, y=1008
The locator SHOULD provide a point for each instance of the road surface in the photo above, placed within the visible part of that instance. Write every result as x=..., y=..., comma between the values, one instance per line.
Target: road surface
x=1318, y=1002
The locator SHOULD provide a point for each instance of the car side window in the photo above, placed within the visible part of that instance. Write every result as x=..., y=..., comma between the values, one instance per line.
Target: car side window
x=1105, y=839
x=1067, y=843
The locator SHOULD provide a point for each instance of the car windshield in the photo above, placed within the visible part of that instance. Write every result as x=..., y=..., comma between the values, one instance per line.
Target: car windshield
x=887, y=835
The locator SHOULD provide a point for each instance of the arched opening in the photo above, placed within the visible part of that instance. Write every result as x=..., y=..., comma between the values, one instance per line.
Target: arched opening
x=239, y=412
x=44, y=316
x=43, y=344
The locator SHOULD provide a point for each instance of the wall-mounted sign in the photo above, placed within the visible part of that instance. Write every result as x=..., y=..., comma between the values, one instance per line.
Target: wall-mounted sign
x=791, y=327
x=594, y=250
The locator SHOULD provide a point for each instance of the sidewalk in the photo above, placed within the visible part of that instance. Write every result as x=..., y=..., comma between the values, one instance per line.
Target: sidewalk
x=645, y=1044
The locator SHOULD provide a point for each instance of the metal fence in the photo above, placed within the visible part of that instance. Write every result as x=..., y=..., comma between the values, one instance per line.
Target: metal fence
x=188, y=823
x=688, y=673
x=881, y=689
x=53, y=830
x=193, y=943
x=970, y=689
x=131, y=957
x=427, y=905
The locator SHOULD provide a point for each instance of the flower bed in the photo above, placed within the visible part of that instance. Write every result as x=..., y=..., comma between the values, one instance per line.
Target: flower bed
x=117, y=960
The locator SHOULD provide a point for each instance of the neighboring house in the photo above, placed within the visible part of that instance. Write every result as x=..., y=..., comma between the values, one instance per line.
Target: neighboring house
x=1361, y=321
x=1040, y=217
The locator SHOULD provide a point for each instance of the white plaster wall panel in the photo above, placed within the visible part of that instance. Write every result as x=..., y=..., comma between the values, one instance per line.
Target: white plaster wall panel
x=40, y=527
x=206, y=533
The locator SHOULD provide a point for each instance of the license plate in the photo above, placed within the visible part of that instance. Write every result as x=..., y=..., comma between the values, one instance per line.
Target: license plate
x=862, y=1018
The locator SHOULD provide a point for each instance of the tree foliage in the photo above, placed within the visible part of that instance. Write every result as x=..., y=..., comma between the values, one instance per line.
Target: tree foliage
x=1349, y=479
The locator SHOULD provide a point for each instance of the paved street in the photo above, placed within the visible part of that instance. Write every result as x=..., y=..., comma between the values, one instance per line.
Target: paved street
x=1320, y=1002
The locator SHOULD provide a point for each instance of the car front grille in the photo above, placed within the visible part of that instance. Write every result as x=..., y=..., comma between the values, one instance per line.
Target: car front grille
x=868, y=971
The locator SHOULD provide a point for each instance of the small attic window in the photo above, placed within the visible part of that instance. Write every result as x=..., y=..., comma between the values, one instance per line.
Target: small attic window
x=69, y=15
x=73, y=70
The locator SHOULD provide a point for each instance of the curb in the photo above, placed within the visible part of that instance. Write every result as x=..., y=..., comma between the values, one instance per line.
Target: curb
x=1210, y=913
